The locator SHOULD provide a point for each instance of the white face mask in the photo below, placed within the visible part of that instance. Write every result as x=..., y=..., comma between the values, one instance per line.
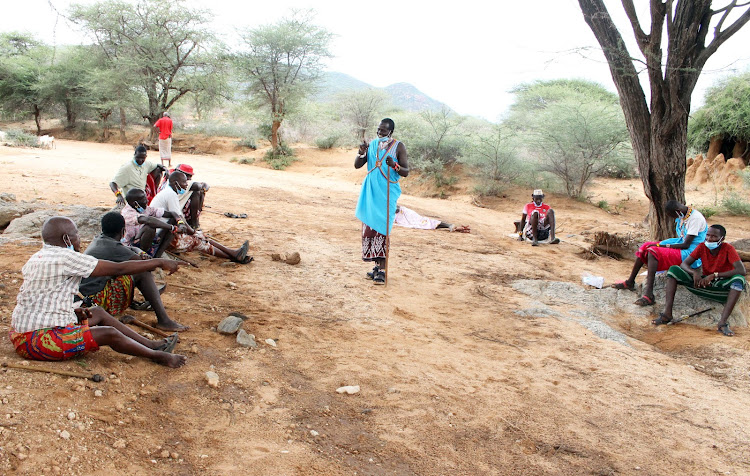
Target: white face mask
x=713, y=245
x=383, y=139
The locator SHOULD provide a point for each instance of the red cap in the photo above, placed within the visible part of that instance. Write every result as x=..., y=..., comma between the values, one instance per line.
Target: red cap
x=185, y=168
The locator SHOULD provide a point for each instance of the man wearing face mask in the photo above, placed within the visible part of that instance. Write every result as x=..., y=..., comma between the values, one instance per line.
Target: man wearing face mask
x=133, y=174
x=541, y=221
x=142, y=222
x=185, y=238
x=720, y=277
x=690, y=226
x=387, y=162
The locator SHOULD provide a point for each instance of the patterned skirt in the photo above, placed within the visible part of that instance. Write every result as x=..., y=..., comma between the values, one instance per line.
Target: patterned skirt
x=54, y=343
x=116, y=296
x=373, y=244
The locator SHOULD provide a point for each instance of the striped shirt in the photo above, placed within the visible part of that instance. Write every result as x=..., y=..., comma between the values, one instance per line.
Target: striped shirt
x=50, y=280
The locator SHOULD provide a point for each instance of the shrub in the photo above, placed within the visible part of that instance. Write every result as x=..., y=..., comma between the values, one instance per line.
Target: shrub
x=707, y=211
x=247, y=142
x=326, y=143
x=246, y=160
x=735, y=204
x=19, y=138
x=603, y=205
x=490, y=189
x=280, y=158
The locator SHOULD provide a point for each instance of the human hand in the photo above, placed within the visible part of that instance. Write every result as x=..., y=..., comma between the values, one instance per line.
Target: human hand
x=169, y=265
x=705, y=281
x=390, y=162
x=362, y=147
x=120, y=201
x=82, y=313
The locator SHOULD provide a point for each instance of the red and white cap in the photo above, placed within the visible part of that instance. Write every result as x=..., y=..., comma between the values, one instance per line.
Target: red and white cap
x=185, y=168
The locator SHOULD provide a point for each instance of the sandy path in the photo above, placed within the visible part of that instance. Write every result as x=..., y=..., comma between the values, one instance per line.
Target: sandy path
x=453, y=381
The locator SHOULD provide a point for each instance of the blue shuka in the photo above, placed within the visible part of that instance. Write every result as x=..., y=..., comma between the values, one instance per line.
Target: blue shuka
x=371, y=207
x=680, y=225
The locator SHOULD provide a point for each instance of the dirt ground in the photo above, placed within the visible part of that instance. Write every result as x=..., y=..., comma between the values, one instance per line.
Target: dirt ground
x=453, y=380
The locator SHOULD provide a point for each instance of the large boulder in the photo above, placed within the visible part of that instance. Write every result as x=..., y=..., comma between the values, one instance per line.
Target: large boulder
x=87, y=219
x=10, y=208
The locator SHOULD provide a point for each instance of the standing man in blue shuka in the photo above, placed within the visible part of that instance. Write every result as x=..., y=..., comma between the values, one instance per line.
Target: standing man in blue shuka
x=386, y=162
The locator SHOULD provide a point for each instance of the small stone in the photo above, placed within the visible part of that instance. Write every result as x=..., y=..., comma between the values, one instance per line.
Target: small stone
x=71, y=416
x=194, y=349
x=98, y=393
x=79, y=388
x=21, y=456
x=115, y=381
x=74, y=459
x=212, y=378
x=175, y=455
x=348, y=389
x=64, y=435
x=392, y=390
x=314, y=433
x=246, y=340
x=293, y=258
x=231, y=285
x=119, y=444
x=275, y=256
x=164, y=454
x=271, y=342
x=230, y=325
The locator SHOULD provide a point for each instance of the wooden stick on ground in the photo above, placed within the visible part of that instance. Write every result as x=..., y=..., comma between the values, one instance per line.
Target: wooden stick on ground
x=185, y=286
x=180, y=258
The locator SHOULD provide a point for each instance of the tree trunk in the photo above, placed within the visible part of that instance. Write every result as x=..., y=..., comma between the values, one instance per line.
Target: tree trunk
x=123, y=123
x=38, y=119
x=70, y=114
x=275, y=125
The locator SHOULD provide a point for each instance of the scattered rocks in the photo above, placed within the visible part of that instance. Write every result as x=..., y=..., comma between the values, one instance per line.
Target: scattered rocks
x=289, y=258
x=119, y=444
x=98, y=393
x=230, y=325
x=348, y=389
x=194, y=349
x=314, y=433
x=246, y=340
x=271, y=342
x=64, y=435
x=212, y=378
x=71, y=416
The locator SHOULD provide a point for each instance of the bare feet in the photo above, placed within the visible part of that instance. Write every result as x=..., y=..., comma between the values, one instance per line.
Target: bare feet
x=170, y=360
x=171, y=326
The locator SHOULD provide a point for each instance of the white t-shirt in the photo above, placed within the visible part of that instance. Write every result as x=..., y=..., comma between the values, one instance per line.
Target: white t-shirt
x=168, y=200
x=694, y=225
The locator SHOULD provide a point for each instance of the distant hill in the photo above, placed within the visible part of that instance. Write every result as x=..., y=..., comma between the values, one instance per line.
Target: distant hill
x=403, y=95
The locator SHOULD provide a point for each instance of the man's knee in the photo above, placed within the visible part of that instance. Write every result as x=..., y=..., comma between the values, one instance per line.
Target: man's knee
x=98, y=316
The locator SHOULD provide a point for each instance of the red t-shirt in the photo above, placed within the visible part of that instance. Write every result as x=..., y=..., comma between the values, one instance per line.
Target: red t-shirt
x=724, y=261
x=165, y=127
x=542, y=209
x=150, y=188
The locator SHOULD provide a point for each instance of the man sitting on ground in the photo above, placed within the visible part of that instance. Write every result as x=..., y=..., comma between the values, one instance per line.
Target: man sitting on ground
x=408, y=218
x=131, y=175
x=45, y=323
x=720, y=277
x=192, y=200
x=690, y=226
x=115, y=293
x=186, y=238
x=541, y=221
x=153, y=181
x=142, y=222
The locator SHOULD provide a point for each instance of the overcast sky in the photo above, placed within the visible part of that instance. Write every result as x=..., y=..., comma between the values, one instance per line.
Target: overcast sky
x=468, y=54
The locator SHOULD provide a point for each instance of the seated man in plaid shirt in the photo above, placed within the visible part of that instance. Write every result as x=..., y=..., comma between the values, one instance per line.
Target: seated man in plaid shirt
x=47, y=326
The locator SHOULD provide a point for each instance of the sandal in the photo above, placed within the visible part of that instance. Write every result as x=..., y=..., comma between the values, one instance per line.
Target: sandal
x=242, y=253
x=379, y=277
x=555, y=241
x=623, y=285
x=460, y=229
x=644, y=301
x=662, y=319
x=371, y=274
x=171, y=343
x=246, y=260
x=141, y=306
x=724, y=329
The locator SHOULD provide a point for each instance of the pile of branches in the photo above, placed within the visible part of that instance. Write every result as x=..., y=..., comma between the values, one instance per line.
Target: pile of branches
x=616, y=246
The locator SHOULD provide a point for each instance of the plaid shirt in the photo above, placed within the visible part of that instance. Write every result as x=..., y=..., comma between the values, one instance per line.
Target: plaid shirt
x=132, y=227
x=50, y=279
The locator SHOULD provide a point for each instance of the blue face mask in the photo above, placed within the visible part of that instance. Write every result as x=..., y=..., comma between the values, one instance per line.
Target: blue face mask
x=712, y=245
x=383, y=139
x=68, y=243
x=180, y=190
x=139, y=208
x=137, y=164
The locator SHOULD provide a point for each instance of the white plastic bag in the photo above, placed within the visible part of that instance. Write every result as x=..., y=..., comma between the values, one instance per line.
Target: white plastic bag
x=591, y=280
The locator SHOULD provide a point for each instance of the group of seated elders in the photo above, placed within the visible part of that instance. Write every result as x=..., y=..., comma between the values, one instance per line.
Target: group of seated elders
x=47, y=325
x=690, y=227
x=537, y=221
x=193, y=198
x=114, y=294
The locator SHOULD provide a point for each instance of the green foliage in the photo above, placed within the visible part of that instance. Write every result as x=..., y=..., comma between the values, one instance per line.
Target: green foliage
x=280, y=158
x=214, y=128
x=19, y=138
x=492, y=156
x=248, y=143
x=328, y=142
x=282, y=62
x=726, y=113
x=362, y=110
x=603, y=204
x=242, y=160
x=707, y=212
x=735, y=204
x=575, y=127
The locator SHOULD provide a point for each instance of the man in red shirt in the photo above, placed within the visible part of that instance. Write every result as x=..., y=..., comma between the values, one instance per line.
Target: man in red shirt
x=541, y=221
x=721, y=277
x=165, y=138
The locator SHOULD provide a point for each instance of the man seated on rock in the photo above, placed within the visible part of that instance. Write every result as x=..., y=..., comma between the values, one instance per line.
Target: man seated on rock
x=114, y=294
x=537, y=221
x=133, y=174
x=143, y=223
x=192, y=200
x=47, y=326
x=690, y=226
x=720, y=277
x=185, y=238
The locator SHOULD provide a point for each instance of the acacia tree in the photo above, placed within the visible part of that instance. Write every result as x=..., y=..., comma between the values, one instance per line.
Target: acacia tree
x=282, y=63
x=161, y=48
x=361, y=109
x=658, y=130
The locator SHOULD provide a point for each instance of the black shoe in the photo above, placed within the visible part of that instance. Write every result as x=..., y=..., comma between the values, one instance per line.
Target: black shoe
x=371, y=274
x=379, y=277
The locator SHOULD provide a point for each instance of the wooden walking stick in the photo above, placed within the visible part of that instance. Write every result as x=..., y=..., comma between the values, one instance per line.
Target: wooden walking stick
x=387, y=219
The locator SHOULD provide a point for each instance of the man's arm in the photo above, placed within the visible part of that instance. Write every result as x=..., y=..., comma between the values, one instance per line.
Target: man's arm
x=362, y=156
x=195, y=186
x=110, y=268
x=154, y=222
x=687, y=263
x=403, y=160
x=684, y=245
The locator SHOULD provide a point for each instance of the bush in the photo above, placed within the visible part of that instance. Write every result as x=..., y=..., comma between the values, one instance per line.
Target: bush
x=280, y=158
x=248, y=143
x=242, y=160
x=707, y=212
x=735, y=204
x=490, y=189
x=603, y=205
x=19, y=138
x=326, y=143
